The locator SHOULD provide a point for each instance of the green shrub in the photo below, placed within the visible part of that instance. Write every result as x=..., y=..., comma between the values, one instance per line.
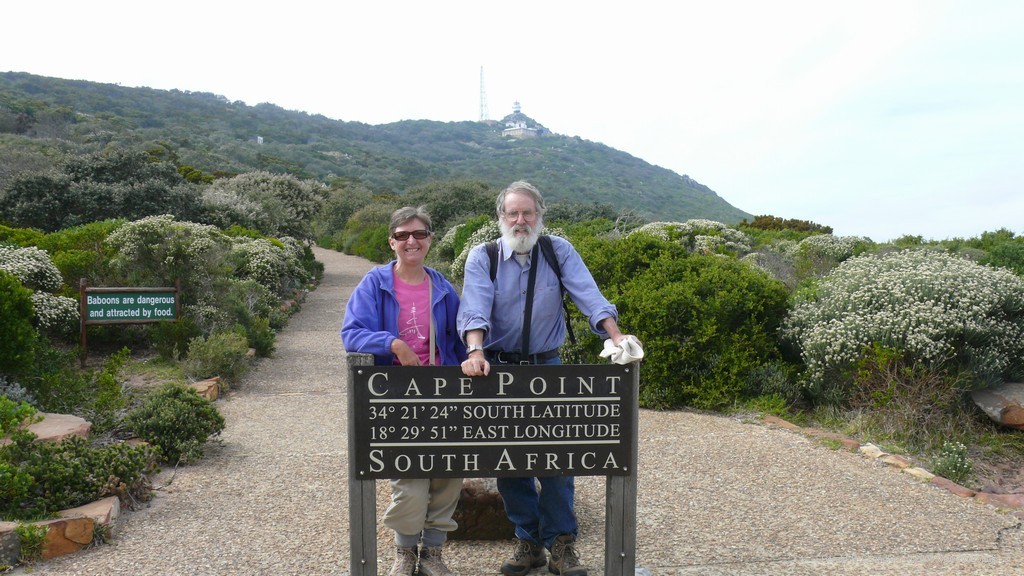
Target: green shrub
x=942, y=311
x=222, y=354
x=77, y=264
x=31, y=538
x=20, y=236
x=1009, y=254
x=904, y=402
x=706, y=322
x=371, y=244
x=338, y=208
x=15, y=414
x=366, y=232
x=17, y=345
x=252, y=306
x=170, y=339
x=87, y=237
x=177, y=420
x=96, y=395
x=44, y=477
x=260, y=337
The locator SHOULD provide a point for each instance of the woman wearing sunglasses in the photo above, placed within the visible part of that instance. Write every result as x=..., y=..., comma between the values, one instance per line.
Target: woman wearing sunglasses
x=404, y=313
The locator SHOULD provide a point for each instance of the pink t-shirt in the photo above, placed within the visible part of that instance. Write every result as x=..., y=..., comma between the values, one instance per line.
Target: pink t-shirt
x=414, y=317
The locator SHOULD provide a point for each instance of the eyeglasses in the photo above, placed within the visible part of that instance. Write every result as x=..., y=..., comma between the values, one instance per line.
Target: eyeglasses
x=515, y=214
x=403, y=235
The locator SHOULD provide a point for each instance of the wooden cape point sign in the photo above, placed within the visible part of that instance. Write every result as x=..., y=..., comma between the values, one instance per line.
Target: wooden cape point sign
x=519, y=421
x=419, y=422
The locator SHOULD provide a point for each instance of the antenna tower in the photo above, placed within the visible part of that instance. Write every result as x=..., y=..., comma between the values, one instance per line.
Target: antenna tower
x=483, y=98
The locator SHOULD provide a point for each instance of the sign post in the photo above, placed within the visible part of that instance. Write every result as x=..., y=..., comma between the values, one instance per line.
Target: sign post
x=519, y=421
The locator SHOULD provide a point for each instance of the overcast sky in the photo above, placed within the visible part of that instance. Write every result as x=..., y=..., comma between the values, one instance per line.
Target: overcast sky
x=878, y=118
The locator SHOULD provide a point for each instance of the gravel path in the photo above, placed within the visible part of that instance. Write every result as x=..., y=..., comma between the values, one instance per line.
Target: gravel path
x=717, y=496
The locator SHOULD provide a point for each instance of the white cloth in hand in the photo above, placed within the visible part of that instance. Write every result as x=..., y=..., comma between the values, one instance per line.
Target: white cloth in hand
x=628, y=350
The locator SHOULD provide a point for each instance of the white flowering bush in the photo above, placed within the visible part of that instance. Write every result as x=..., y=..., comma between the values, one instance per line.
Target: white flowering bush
x=32, y=267
x=700, y=235
x=953, y=462
x=813, y=257
x=55, y=314
x=274, y=204
x=226, y=208
x=838, y=248
x=157, y=250
x=274, y=266
x=940, y=310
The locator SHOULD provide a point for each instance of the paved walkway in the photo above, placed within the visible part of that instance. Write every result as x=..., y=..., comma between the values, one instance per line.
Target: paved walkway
x=717, y=496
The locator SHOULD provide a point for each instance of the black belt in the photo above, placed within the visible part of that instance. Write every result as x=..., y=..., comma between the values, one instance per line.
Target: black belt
x=502, y=357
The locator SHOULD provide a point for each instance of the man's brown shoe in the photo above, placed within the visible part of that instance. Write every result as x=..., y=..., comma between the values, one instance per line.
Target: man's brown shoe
x=564, y=559
x=526, y=556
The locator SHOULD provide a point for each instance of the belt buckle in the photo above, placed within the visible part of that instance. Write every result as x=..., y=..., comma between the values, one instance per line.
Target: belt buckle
x=525, y=362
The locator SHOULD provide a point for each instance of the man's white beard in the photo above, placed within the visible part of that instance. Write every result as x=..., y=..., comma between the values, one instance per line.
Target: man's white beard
x=521, y=244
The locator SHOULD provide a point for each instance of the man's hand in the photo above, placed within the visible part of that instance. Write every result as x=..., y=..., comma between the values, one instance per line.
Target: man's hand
x=476, y=365
x=612, y=328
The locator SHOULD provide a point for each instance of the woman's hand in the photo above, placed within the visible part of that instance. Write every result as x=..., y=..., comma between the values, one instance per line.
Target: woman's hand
x=406, y=357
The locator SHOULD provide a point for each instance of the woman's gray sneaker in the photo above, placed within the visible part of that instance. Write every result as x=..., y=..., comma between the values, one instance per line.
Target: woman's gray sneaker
x=405, y=562
x=432, y=564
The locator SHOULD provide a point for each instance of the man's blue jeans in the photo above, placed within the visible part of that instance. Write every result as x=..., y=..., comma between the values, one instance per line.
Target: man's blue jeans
x=540, y=516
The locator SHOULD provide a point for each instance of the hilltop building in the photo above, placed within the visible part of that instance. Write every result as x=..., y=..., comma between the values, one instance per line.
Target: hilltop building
x=519, y=125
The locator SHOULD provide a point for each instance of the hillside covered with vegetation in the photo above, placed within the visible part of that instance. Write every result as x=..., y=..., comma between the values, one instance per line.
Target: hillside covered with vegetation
x=219, y=137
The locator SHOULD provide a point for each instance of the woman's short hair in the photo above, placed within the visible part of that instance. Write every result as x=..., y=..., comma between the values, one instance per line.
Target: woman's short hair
x=407, y=213
x=523, y=187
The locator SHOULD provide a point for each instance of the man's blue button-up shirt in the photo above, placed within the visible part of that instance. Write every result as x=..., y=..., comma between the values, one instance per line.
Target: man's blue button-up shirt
x=498, y=308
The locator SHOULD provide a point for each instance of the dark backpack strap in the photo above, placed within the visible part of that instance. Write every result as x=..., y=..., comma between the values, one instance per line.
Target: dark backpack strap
x=528, y=314
x=548, y=248
x=492, y=255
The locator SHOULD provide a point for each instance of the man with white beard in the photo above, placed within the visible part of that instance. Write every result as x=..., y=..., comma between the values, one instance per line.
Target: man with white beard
x=491, y=321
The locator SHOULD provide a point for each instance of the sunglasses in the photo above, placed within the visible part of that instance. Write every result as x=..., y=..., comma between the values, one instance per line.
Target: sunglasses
x=417, y=234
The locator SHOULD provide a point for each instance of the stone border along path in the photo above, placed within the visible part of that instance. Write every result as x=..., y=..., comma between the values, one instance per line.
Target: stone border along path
x=716, y=495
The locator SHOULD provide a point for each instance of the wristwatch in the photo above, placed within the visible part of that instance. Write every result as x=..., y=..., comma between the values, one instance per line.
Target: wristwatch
x=473, y=348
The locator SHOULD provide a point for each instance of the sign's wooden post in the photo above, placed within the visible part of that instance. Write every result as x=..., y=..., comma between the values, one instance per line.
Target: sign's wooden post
x=362, y=494
x=82, y=314
x=519, y=421
x=620, y=501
